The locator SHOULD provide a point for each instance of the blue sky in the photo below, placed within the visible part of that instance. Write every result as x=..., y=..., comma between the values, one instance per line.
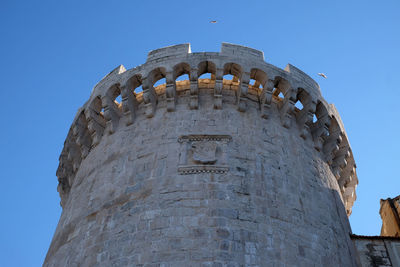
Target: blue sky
x=53, y=52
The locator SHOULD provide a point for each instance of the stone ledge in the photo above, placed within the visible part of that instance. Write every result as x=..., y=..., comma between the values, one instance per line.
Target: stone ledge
x=241, y=51
x=202, y=169
x=168, y=51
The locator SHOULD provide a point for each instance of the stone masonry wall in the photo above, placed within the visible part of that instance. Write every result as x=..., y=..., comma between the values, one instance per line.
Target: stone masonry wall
x=377, y=251
x=186, y=175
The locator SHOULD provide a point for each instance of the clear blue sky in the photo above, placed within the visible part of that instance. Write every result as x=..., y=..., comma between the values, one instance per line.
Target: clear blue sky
x=53, y=52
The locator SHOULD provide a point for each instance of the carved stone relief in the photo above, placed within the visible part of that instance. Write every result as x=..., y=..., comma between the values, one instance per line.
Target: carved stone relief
x=203, y=153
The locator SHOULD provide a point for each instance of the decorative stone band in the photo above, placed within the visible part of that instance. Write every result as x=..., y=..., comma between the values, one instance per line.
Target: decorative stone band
x=201, y=137
x=253, y=80
x=202, y=169
x=203, y=153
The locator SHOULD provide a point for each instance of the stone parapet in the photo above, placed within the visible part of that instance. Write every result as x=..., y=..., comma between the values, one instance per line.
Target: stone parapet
x=255, y=85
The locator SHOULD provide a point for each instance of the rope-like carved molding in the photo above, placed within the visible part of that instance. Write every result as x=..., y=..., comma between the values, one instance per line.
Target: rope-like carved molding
x=202, y=169
x=202, y=153
x=201, y=137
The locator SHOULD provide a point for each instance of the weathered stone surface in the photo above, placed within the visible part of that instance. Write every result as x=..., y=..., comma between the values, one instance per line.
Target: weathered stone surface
x=390, y=214
x=205, y=172
x=377, y=251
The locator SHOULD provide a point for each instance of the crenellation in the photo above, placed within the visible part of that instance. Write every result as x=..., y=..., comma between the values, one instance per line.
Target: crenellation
x=305, y=116
x=266, y=98
x=219, y=73
x=103, y=112
x=241, y=51
x=243, y=89
x=129, y=105
x=339, y=161
x=149, y=97
x=203, y=159
x=286, y=106
x=333, y=141
x=194, y=88
x=320, y=128
x=82, y=135
x=112, y=109
x=169, y=51
x=170, y=91
x=95, y=119
x=303, y=78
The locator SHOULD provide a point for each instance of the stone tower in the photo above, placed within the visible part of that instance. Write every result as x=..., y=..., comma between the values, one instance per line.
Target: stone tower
x=252, y=170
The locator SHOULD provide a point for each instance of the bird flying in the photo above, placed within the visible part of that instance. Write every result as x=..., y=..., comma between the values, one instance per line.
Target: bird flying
x=213, y=21
x=323, y=75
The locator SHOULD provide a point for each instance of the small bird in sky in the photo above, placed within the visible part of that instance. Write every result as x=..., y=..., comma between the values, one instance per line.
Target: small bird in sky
x=213, y=21
x=323, y=75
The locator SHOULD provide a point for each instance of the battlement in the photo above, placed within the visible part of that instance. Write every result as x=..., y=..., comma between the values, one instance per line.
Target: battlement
x=169, y=51
x=256, y=86
x=241, y=51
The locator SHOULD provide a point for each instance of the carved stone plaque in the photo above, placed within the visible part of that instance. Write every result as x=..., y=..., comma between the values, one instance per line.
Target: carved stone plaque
x=203, y=153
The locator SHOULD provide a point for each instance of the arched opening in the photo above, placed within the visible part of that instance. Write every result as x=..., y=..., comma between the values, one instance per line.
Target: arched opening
x=81, y=130
x=314, y=118
x=95, y=118
x=278, y=95
x=232, y=75
x=253, y=83
x=115, y=94
x=118, y=100
x=97, y=107
x=134, y=84
x=138, y=90
x=281, y=88
x=228, y=77
x=298, y=105
x=206, y=74
x=181, y=76
x=302, y=99
x=157, y=79
x=159, y=82
x=258, y=79
x=321, y=113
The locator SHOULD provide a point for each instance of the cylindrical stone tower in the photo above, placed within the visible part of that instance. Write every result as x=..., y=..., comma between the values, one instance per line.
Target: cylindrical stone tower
x=249, y=169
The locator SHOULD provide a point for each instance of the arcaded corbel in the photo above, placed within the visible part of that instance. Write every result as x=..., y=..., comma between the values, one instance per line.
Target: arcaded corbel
x=266, y=98
x=194, y=89
x=353, y=182
x=74, y=154
x=348, y=173
x=129, y=104
x=218, y=88
x=170, y=91
x=287, y=107
x=348, y=193
x=339, y=162
x=349, y=196
x=149, y=98
x=65, y=171
x=96, y=125
x=63, y=189
x=80, y=132
x=111, y=113
x=350, y=201
x=305, y=116
x=242, y=93
x=331, y=145
x=320, y=130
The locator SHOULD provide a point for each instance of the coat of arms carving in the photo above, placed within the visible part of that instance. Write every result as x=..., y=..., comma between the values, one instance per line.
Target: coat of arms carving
x=203, y=153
